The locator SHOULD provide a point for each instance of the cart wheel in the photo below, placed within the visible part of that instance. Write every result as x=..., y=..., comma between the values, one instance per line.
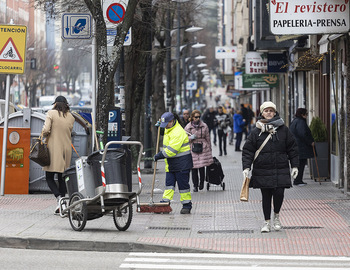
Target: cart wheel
x=208, y=185
x=122, y=217
x=78, y=214
x=223, y=185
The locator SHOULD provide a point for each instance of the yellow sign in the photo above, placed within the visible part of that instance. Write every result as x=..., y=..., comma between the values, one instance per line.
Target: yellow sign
x=12, y=48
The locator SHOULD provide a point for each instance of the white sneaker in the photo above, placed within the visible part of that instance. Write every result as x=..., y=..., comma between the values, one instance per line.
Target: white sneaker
x=57, y=210
x=266, y=228
x=276, y=222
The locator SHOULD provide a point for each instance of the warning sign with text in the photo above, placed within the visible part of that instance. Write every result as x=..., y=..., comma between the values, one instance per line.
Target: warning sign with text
x=12, y=48
x=295, y=17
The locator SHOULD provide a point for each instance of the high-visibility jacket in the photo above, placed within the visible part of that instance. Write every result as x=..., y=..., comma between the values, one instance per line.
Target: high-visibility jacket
x=176, y=149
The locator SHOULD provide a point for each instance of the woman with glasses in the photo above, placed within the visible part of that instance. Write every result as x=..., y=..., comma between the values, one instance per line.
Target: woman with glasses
x=199, y=137
x=305, y=141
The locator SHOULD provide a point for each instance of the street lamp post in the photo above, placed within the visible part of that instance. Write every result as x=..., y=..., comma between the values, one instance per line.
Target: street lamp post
x=178, y=98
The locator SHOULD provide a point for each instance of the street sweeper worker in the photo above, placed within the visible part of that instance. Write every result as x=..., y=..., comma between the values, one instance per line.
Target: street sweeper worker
x=178, y=161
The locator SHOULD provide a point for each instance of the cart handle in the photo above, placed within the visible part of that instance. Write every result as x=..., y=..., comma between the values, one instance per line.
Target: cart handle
x=138, y=161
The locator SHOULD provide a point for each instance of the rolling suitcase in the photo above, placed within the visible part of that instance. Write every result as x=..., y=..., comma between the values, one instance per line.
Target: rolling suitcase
x=215, y=174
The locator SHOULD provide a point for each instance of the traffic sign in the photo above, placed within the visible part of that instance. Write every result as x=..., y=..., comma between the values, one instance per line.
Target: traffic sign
x=12, y=48
x=191, y=85
x=114, y=11
x=76, y=26
x=111, y=33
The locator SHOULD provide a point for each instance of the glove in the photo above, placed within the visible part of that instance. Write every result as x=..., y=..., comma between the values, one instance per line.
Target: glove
x=193, y=137
x=295, y=172
x=157, y=124
x=158, y=156
x=246, y=173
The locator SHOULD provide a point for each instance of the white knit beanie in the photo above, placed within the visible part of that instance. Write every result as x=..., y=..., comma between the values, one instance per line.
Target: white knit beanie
x=267, y=104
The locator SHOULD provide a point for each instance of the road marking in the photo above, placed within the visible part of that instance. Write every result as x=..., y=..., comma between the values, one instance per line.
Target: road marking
x=211, y=261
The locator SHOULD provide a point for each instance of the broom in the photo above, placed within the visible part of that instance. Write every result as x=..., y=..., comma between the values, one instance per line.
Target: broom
x=152, y=207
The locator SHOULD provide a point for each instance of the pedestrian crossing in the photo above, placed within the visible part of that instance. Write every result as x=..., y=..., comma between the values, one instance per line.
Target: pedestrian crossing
x=211, y=261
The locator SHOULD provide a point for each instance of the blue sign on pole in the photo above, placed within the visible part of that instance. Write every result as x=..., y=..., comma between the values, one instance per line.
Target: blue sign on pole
x=76, y=26
x=114, y=126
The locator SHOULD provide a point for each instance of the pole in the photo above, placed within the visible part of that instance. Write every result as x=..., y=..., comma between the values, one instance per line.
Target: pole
x=148, y=89
x=121, y=85
x=184, y=79
x=4, y=137
x=168, y=62
x=178, y=94
x=93, y=78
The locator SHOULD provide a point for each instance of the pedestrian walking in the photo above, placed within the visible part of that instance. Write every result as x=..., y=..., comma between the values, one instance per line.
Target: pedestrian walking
x=209, y=118
x=185, y=118
x=231, y=113
x=178, y=161
x=271, y=171
x=249, y=119
x=245, y=114
x=223, y=126
x=238, y=125
x=57, y=130
x=305, y=142
x=199, y=137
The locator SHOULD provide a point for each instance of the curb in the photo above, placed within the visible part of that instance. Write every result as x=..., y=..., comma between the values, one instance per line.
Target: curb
x=98, y=246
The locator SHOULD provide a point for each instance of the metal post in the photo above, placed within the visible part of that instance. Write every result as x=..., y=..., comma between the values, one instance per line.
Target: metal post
x=168, y=62
x=184, y=79
x=121, y=84
x=148, y=89
x=178, y=94
x=4, y=137
x=93, y=78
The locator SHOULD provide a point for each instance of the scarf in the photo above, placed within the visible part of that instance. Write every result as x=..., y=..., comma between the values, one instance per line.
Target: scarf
x=270, y=126
x=196, y=124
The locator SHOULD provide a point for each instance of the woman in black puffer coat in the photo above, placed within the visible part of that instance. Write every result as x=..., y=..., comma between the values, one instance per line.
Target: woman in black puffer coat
x=271, y=170
x=305, y=141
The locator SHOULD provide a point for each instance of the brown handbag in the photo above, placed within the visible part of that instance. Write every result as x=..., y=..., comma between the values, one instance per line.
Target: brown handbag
x=244, y=197
x=39, y=152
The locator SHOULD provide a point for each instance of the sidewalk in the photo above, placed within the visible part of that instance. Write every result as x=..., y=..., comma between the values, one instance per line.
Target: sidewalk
x=315, y=219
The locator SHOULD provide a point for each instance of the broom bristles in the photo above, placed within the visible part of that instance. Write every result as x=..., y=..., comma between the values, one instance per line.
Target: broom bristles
x=155, y=208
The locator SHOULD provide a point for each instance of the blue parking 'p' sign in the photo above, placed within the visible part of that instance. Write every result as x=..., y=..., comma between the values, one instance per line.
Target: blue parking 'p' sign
x=115, y=13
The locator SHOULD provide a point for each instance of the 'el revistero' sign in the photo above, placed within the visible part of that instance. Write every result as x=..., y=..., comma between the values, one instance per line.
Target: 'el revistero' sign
x=295, y=17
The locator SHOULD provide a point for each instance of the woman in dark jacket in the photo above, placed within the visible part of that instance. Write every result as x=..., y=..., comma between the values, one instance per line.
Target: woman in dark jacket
x=271, y=171
x=305, y=141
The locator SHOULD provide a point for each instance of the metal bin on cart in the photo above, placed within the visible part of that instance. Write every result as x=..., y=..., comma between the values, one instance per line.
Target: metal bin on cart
x=116, y=177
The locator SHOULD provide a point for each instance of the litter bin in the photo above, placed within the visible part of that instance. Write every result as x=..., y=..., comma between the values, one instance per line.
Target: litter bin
x=70, y=177
x=79, y=178
x=115, y=171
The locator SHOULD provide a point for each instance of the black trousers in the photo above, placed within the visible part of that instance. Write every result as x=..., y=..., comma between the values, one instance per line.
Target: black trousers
x=195, y=176
x=56, y=190
x=239, y=136
x=222, y=140
x=299, y=179
x=267, y=194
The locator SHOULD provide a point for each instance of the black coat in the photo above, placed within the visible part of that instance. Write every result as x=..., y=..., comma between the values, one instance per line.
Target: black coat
x=302, y=135
x=271, y=168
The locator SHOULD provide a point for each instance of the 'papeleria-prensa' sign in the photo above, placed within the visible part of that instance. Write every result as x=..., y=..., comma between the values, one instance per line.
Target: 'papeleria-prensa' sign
x=295, y=17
